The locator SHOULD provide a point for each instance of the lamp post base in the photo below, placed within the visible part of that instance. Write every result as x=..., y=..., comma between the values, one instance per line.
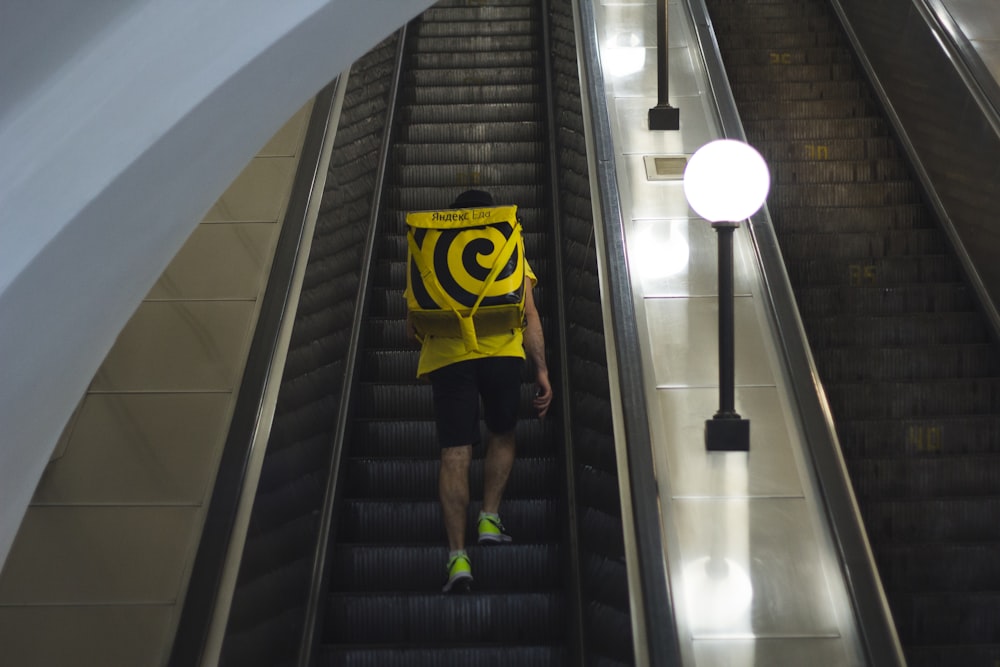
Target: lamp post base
x=664, y=117
x=727, y=434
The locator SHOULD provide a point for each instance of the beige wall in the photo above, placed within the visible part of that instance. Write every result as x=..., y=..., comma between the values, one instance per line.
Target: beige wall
x=98, y=570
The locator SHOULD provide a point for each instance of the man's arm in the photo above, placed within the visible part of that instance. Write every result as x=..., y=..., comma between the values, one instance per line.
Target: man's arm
x=534, y=347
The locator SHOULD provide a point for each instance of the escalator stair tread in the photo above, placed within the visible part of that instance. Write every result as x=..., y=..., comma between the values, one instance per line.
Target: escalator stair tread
x=896, y=300
x=847, y=364
x=428, y=199
x=766, y=10
x=476, y=35
x=421, y=568
x=896, y=330
x=943, y=618
x=417, y=438
x=860, y=245
x=449, y=133
x=883, y=271
x=750, y=22
x=892, y=193
x=812, y=219
x=770, y=108
x=419, y=521
x=778, y=41
x=407, y=401
x=476, y=60
x=430, y=618
x=871, y=400
x=739, y=71
x=926, y=655
x=468, y=113
x=917, y=521
x=816, y=130
x=961, y=434
x=415, y=478
x=491, y=94
x=842, y=171
x=441, y=175
x=821, y=55
x=499, y=655
x=430, y=156
x=786, y=152
x=475, y=77
x=803, y=91
x=926, y=477
x=941, y=567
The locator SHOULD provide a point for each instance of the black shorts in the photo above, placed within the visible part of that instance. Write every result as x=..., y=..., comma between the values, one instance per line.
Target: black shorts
x=458, y=389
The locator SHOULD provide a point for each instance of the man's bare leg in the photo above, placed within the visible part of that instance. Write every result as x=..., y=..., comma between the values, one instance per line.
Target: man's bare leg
x=500, y=450
x=453, y=488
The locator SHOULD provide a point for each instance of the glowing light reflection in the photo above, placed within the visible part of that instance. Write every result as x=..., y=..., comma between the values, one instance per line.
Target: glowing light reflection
x=623, y=55
x=719, y=593
x=653, y=256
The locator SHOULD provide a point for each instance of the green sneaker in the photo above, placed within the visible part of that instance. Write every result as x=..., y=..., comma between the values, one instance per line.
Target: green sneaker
x=491, y=531
x=459, y=574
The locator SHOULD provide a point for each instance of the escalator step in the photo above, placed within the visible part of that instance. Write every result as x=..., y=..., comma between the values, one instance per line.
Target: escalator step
x=820, y=219
x=937, y=520
x=893, y=330
x=897, y=300
x=402, y=478
x=490, y=31
x=472, y=93
x=444, y=175
x=476, y=60
x=433, y=133
x=431, y=155
x=412, y=568
x=419, y=522
x=946, y=435
x=815, y=130
x=752, y=23
x=926, y=477
x=480, y=656
x=875, y=400
x=858, y=245
x=771, y=58
x=468, y=113
x=799, y=109
x=815, y=272
x=504, y=76
x=890, y=193
x=415, y=618
x=941, y=567
x=852, y=364
x=429, y=198
x=418, y=439
x=739, y=71
x=778, y=150
x=753, y=92
x=777, y=41
x=942, y=618
x=842, y=171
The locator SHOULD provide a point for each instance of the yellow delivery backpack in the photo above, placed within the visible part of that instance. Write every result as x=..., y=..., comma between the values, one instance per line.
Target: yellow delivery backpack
x=465, y=272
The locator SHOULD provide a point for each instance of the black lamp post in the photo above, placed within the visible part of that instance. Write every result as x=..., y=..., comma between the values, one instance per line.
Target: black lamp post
x=726, y=182
x=663, y=116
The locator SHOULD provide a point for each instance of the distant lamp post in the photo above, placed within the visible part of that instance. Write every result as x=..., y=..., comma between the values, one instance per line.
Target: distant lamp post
x=663, y=116
x=726, y=182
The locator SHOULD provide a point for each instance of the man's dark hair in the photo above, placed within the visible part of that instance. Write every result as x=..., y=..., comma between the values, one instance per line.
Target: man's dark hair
x=473, y=199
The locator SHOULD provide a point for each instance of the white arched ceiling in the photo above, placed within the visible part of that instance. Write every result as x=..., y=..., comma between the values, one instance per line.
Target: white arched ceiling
x=121, y=122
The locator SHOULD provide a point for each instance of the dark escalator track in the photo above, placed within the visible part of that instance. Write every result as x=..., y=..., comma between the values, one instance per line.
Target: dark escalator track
x=471, y=114
x=904, y=354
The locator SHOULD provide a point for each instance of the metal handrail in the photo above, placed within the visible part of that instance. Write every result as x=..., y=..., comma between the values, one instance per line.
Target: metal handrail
x=874, y=619
x=662, y=641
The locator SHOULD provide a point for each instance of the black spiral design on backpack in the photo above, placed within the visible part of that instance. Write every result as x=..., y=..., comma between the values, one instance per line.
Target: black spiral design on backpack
x=463, y=259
